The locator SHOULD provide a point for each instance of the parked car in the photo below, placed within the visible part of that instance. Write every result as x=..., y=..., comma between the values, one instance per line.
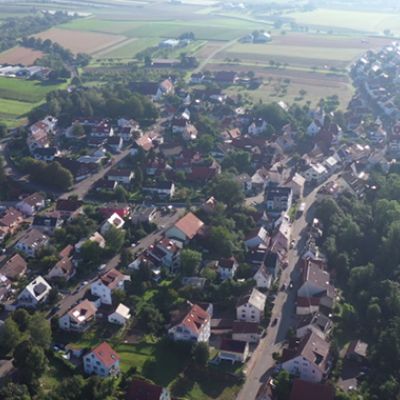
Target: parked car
x=274, y=322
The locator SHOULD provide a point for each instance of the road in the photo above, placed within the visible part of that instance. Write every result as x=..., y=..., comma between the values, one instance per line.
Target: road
x=284, y=309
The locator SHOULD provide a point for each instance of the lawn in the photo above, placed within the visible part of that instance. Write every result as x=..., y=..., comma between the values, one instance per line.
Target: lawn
x=349, y=20
x=10, y=109
x=128, y=49
x=26, y=90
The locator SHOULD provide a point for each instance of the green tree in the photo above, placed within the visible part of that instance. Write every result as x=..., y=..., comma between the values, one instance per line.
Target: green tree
x=283, y=385
x=190, y=261
x=13, y=391
x=22, y=318
x=115, y=239
x=40, y=331
x=10, y=336
x=150, y=319
x=201, y=354
x=226, y=189
x=3, y=129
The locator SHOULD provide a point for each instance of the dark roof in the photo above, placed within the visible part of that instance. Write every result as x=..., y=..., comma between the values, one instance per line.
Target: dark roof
x=46, y=151
x=275, y=191
x=68, y=205
x=233, y=346
x=245, y=327
x=303, y=390
x=42, y=220
x=143, y=390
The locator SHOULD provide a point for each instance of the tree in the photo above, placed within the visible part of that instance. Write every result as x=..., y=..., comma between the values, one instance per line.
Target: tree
x=3, y=129
x=22, y=318
x=283, y=385
x=91, y=253
x=10, y=336
x=40, y=331
x=201, y=354
x=220, y=241
x=30, y=361
x=13, y=391
x=150, y=318
x=115, y=239
x=190, y=261
x=226, y=189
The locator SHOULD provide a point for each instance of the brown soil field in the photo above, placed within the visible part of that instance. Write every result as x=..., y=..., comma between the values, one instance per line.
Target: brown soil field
x=80, y=41
x=20, y=55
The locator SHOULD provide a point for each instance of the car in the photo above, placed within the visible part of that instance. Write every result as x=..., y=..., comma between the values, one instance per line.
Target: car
x=102, y=267
x=133, y=244
x=283, y=288
x=274, y=322
x=292, y=244
x=291, y=285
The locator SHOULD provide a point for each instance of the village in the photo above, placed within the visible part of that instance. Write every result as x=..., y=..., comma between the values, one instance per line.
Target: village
x=196, y=228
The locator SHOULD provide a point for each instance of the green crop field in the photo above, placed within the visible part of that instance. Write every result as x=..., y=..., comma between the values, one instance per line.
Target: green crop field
x=25, y=91
x=351, y=20
x=128, y=49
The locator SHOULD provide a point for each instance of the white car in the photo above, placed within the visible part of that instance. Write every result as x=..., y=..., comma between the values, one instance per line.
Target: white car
x=102, y=266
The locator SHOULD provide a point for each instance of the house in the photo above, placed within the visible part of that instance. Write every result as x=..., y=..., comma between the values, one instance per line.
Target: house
x=37, y=140
x=194, y=326
x=278, y=199
x=10, y=221
x=309, y=359
x=317, y=323
x=121, y=209
x=246, y=331
x=302, y=390
x=46, y=224
x=34, y=293
x=257, y=127
x=233, y=350
x=165, y=252
x=78, y=318
x=63, y=269
x=197, y=78
x=166, y=87
x=357, y=351
x=107, y=283
x=103, y=130
x=263, y=278
x=314, y=281
x=114, y=221
x=297, y=185
x=102, y=361
x=227, y=267
x=96, y=237
x=5, y=288
x=316, y=174
x=120, y=316
x=256, y=237
x=45, y=153
x=225, y=77
x=68, y=208
x=186, y=228
x=331, y=164
x=14, y=268
x=115, y=143
x=31, y=242
x=281, y=239
x=164, y=189
x=140, y=389
x=314, y=128
x=250, y=308
x=244, y=180
x=123, y=176
x=32, y=204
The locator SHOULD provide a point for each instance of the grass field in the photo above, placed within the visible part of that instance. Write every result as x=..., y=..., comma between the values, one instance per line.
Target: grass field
x=349, y=20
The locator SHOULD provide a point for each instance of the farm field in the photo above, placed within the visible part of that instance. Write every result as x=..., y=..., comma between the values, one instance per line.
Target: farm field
x=348, y=20
x=12, y=110
x=79, y=41
x=20, y=55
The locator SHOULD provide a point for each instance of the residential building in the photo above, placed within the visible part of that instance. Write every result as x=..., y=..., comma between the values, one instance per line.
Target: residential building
x=46, y=224
x=309, y=360
x=318, y=323
x=194, y=326
x=106, y=284
x=96, y=237
x=302, y=390
x=314, y=281
x=14, y=268
x=297, y=183
x=31, y=242
x=263, y=277
x=123, y=176
x=103, y=361
x=164, y=189
x=114, y=221
x=357, y=351
x=34, y=293
x=250, y=308
x=32, y=204
x=165, y=252
x=122, y=209
x=227, y=267
x=78, y=318
x=63, y=269
x=140, y=389
x=5, y=288
x=257, y=127
x=233, y=350
x=186, y=228
x=246, y=331
x=278, y=199
x=316, y=174
x=10, y=221
x=68, y=208
x=115, y=143
x=258, y=236
x=120, y=316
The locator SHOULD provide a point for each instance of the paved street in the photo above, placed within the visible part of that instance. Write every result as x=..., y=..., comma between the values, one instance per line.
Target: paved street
x=284, y=309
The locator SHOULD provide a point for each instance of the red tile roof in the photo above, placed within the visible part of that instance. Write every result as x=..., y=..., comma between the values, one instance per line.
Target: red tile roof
x=106, y=354
x=143, y=390
x=14, y=267
x=303, y=390
x=195, y=319
x=112, y=278
x=190, y=225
